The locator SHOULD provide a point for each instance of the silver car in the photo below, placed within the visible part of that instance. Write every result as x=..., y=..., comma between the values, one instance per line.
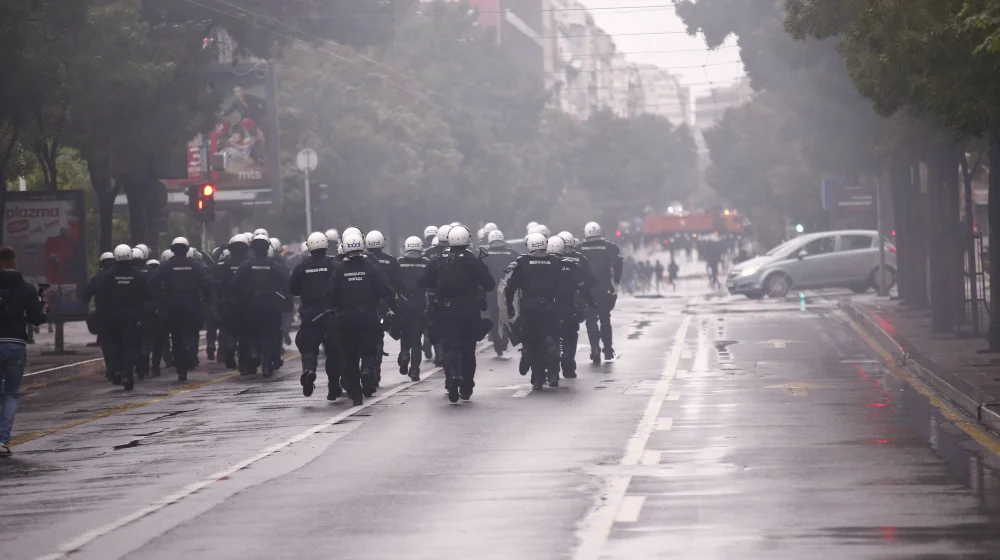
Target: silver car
x=829, y=259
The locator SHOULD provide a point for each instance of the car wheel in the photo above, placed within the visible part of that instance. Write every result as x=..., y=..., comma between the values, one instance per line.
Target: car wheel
x=890, y=279
x=860, y=288
x=777, y=285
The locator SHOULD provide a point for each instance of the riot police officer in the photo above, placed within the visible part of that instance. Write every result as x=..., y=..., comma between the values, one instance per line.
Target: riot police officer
x=308, y=282
x=606, y=266
x=438, y=246
x=498, y=258
x=123, y=287
x=260, y=287
x=184, y=289
x=430, y=234
x=375, y=243
x=460, y=282
x=354, y=292
x=537, y=275
x=411, y=307
x=233, y=320
x=574, y=288
x=95, y=320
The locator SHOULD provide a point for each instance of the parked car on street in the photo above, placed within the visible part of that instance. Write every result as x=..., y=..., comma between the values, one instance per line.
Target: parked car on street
x=829, y=259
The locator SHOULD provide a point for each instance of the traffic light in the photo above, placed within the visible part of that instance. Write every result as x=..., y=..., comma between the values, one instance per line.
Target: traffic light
x=207, y=202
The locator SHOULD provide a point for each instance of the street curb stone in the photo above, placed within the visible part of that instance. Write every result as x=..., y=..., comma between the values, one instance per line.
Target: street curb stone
x=66, y=371
x=975, y=402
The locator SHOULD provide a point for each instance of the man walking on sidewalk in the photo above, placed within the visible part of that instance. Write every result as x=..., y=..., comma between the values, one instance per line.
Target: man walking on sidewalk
x=19, y=306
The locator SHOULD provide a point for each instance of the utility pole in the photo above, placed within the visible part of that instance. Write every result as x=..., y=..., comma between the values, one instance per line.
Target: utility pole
x=881, y=238
x=306, y=160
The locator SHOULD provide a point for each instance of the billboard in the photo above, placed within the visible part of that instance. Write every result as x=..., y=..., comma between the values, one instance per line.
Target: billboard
x=46, y=229
x=244, y=141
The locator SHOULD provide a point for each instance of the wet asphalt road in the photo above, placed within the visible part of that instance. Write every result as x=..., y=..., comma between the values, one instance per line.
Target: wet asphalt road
x=728, y=429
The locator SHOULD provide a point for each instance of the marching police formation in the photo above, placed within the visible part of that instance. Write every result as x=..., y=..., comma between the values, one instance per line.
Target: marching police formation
x=443, y=295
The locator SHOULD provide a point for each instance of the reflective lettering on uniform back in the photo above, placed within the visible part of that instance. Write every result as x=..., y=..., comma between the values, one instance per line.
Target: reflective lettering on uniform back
x=183, y=268
x=312, y=270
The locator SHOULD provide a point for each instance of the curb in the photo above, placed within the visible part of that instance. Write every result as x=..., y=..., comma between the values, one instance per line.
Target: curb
x=976, y=403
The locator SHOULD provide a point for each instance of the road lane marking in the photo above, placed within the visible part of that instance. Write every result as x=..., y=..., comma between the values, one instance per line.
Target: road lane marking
x=665, y=424
x=687, y=355
x=777, y=343
x=629, y=510
x=64, y=550
x=522, y=392
x=651, y=458
x=682, y=374
x=595, y=529
x=674, y=396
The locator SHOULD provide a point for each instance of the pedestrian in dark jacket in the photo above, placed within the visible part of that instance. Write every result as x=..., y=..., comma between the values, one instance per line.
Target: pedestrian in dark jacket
x=20, y=306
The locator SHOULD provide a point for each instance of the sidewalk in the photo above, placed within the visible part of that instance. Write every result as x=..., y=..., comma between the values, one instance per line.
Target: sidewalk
x=952, y=366
x=43, y=366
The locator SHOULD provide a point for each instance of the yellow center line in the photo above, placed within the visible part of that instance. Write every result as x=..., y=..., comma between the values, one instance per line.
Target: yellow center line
x=29, y=436
x=960, y=419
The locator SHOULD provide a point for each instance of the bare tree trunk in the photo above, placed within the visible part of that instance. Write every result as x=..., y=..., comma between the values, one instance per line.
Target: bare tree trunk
x=900, y=187
x=994, y=224
x=106, y=190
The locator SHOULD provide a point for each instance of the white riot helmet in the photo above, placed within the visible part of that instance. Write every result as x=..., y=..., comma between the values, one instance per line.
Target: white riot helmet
x=270, y=251
x=145, y=250
x=481, y=234
x=180, y=241
x=238, y=238
x=459, y=236
x=536, y=242
x=305, y=247
x=535, y=229
x=192, y=253
x=592, y=229
x=106, y=257
x=568, y=238
x=340, y=248
x=544, y=230
x=353, y=230
x=429, y=231
x=495, y=236
x=443, y=233
x=413, y=243
x=353, y=242
x=455, y=224
x=248, y=236
x=152, y=263
x=275, y=243
x=556, y=245
x=490, y=227
x=123, y=253
x=166, y=255
x=435, y=242
x=225, y=253
x=375, y=240
x=316, y=241
x=137, y=254
x=332, y=237
x=531, y=226
x=260, y=231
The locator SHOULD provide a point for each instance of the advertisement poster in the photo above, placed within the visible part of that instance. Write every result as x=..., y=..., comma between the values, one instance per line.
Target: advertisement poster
x=46, y=229
x=244, y=132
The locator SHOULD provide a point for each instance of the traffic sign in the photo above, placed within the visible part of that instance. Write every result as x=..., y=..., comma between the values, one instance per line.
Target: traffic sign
x=306, y=160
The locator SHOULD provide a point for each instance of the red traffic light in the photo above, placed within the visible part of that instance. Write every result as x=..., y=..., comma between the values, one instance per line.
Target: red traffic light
x=208, y=190
x=618, y=233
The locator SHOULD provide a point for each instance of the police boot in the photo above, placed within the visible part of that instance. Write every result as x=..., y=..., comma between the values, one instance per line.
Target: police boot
x=595, y=356
x=368, y=381
x=334, y=392
x=128, y=381
x=414, y=372
x=569, y=368
x=404, y=361
x=182, y=374
x=116, y=378
x=525, y=364
x=155, y=371
x=308, y=381
x=210, y=352
x=453, y=375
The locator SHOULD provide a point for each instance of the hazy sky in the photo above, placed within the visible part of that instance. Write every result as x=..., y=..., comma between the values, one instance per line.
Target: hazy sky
x=648, y=31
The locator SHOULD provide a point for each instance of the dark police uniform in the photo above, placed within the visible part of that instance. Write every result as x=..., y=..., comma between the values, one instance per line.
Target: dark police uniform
x=412, y=314
x=260, y=287
x=538, y=278
x=184, y=288
x=606, y=265
x=123, y=287
x=390, y=267
x=575, y=288
x=308, y=282
x=432, y=343
x=497, y=259
x=459, y=281
x=356, y=288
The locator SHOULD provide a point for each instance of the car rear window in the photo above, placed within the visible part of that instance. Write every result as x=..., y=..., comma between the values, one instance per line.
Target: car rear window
x=855, y=242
